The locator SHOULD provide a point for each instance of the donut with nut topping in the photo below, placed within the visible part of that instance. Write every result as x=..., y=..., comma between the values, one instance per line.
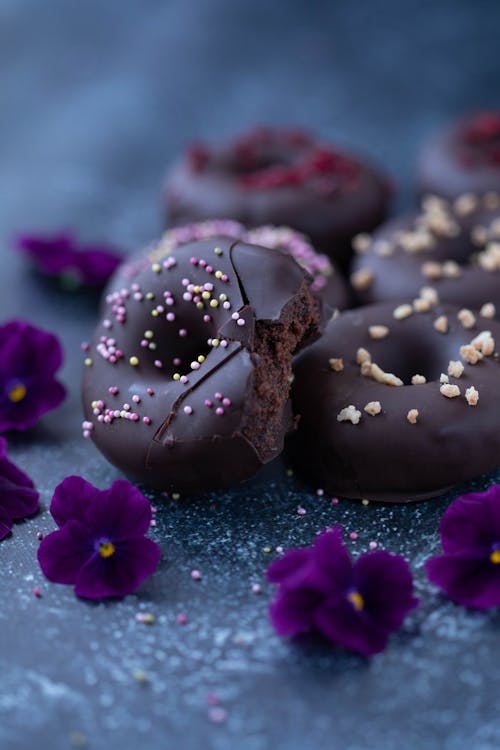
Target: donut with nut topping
x=398, y=404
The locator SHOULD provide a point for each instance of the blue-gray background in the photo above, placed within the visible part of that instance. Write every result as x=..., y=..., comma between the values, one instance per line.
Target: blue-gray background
x=95, y=99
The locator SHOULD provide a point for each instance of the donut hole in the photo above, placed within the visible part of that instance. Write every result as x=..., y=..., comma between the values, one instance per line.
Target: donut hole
x=406, y=356
x=185, y=346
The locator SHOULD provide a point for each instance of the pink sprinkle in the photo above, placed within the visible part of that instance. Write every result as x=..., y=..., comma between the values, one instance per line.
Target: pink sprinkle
x=279, y=549
x=256, y=588
x=158, y=363
x=176, y=361
x=136, y=399
x=223, y=343
x=39, y=535
x=146, y=420
x=150, y=392
x=373, y=545
x=196, y=575
x=320, y=492
x=113, y=390
x=152, y=522
x=184, y=379
x=144, y=343
x=107, y=323
x=353, y=535
x=224, y=277
x=218, y=396
x=209, y=269
x=240, y=322
x=219, y=411
x=301, y=511
x=193, y=261
x=170, y=317
x=182, y=618
x=85, y=346
x=188, y=410
x=208, y=403
x=334, y=501
x=203, y=263
x=212, y=699
x=126, y=407
x=226, y=402
x=37, y=592
x=207, y=318
x=235, y=316
x=182, y=332
x=217, y=714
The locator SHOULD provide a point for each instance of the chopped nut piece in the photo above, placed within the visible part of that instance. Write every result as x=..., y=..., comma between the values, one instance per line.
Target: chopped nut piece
x=450, y=391
x=431, y=269
x=479, y=235
x=488, y=310
x=421, y=305
x=362, y=355
x=467, y=318
x=403, y=311
x=349, y=414
x=470, y=354
x=489, y=258
x=455, y=368
x=412, y=416
x=373, y=408
x=443, y=378
x=465, y=204
x=451, y=270
x=371, y=370
x=361, y=242
x=434, y=203
x=336, y=364
x=430, y=294
x=416, y=242
x=484, y=342
x=472, y=396
x=362, y=279
x=441, y=324
x=378, y=332
x=418, y=380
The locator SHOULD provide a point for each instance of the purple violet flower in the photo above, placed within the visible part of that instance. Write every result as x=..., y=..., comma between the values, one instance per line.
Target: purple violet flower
x=29, y=358
x=100, y=546
x=60, y=255
x=355, y=605
x=18, y=497
x=469, y=570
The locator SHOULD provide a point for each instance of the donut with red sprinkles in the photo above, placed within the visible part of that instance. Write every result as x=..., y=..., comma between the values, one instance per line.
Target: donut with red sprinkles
x=280, y=177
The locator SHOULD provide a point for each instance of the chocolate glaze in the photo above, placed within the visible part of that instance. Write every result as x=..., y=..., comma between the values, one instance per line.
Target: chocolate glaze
x=385, y=457
x=449, y=232
x=196, y=424
x=282, y=178
x=463, y=158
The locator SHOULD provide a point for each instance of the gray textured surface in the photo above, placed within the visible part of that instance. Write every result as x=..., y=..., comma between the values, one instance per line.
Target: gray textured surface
x=95, y=99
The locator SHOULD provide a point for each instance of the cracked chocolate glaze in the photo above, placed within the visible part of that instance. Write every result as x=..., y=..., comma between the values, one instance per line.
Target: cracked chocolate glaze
x=281, y=178
x=386, y=457
x=187, y=378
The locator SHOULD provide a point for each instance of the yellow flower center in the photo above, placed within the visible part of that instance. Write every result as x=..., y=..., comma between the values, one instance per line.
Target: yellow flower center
x=495, y=556
x=106, y=549
x=356, y=600
x=17, y=393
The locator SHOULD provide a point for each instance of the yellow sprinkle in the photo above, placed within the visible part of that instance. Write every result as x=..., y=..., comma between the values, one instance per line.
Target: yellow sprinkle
x=106, y=549
x=201, y=359
x=214, y=303
x=152, y=346
x=289, y=472
x=223, y=297
x=215, y=342
x=218, y=274
x=134, y=361
x=150, y=295
x=356, y=600
x=140, y=676
x=156, y=268
x=154, y=313
x=267, y=549
x=176, y=496
x=200, y=305
x=87, y=362
x=364, y=501
x=194, y=365
x=218, y=251
x=495, y=557
x=206, y=295
x=176, y=376
x=94, y=404
x=148, y=334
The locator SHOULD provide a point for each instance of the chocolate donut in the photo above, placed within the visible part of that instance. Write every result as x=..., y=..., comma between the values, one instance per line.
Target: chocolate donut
x=452, y=248
x=463, y=158
x=327, y=282
x=280, y=177
x=396, y=405
x=186, y=384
